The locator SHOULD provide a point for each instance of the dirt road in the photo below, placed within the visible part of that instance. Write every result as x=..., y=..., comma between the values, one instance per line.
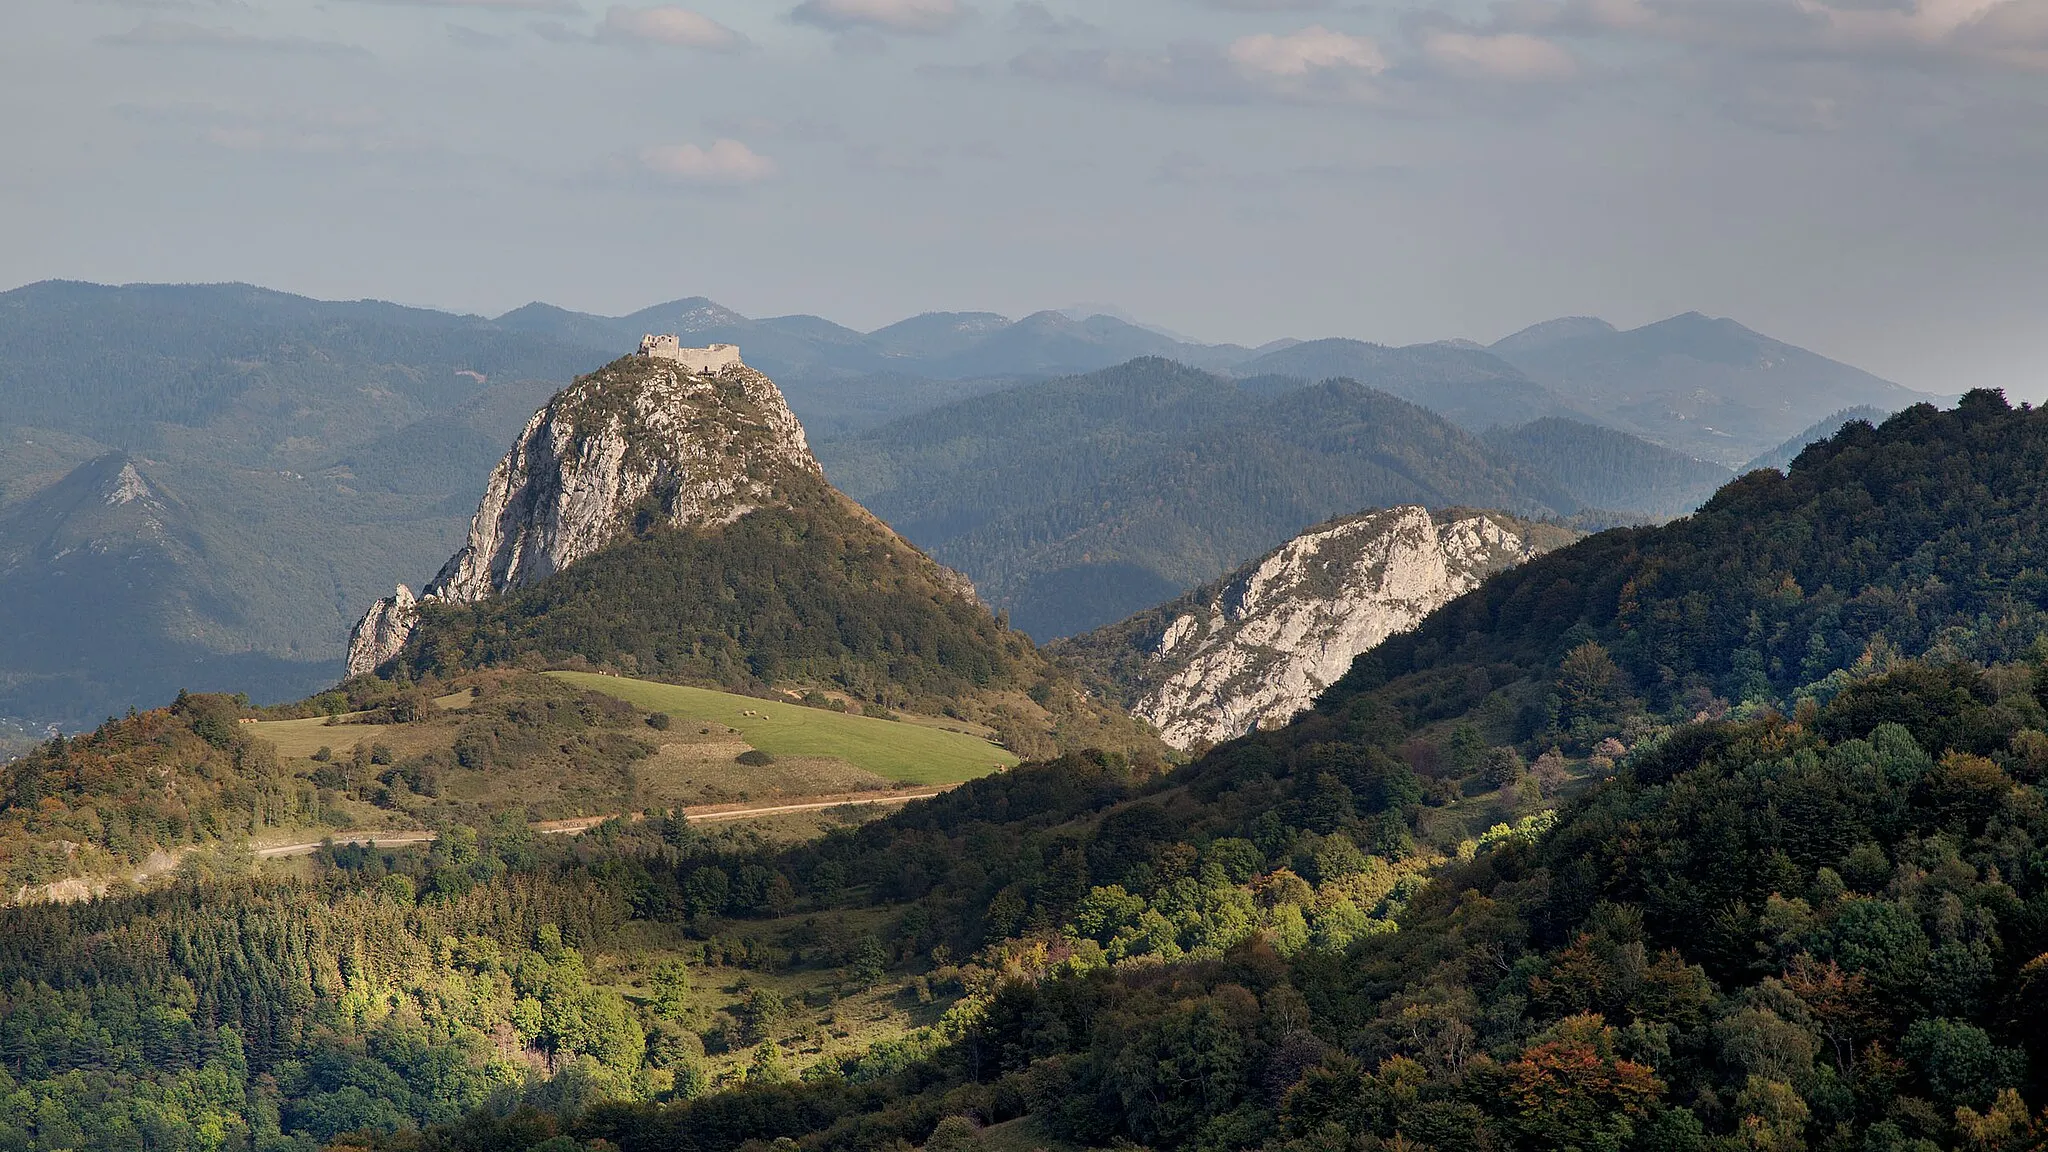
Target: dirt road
x=705, y=813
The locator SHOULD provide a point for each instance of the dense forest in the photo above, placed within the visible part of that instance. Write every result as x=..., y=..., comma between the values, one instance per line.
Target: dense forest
x=1816, y=931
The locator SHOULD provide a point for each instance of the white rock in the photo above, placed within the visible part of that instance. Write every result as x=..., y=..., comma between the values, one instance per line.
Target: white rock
x=1266, y=642
x=382, y=632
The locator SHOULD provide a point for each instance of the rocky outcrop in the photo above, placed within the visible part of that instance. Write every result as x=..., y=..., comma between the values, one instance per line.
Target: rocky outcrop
x=645, y=441
x=382, y=632
x=1263, y=643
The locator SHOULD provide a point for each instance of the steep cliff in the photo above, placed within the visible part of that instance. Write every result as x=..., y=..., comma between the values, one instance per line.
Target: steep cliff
x=1262, y=643
x=643, y=441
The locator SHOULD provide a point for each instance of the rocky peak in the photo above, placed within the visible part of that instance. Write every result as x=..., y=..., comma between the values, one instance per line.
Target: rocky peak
x=128, y=486
x=643, y=441
x=1263, y=643
x=382, y=632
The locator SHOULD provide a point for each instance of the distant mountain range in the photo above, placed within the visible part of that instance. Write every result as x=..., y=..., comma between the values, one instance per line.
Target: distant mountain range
x=298, y=452
x=1709, y=388
x=1077, y=501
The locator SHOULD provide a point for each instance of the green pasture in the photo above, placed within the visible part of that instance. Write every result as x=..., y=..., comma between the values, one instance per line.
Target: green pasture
x=907, y=753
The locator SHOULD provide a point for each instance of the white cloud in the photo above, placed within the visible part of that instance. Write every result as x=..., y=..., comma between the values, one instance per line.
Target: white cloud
x=727, y=162
x=668, y=25
x=1512, y=56
x=889, y=15
x=1312, y=50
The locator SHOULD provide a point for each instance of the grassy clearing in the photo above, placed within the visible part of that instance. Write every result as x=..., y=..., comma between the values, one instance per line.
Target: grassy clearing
x=906, y=753
x=297, y=739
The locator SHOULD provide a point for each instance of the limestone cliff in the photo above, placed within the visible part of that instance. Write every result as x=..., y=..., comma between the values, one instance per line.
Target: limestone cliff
x=1263, y=643
x=382, y=632
x=643, y=441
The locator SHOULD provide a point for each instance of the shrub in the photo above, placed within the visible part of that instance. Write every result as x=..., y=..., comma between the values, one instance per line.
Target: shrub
x=659, y=721
x=754, y=758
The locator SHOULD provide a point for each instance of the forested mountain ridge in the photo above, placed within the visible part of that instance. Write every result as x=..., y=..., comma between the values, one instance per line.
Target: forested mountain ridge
x=1466, y=385
x=1782, y=456
x=127, y=578
x=1075, y=502
x=1611, y=470
x=1918, y=537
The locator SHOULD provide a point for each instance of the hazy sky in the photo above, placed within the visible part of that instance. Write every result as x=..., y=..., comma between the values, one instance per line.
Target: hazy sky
x=1868, y=178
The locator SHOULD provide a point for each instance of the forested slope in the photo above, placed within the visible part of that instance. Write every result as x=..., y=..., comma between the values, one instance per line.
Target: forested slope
x=1604, y=468
x=1810, y=933
x=1919, y=537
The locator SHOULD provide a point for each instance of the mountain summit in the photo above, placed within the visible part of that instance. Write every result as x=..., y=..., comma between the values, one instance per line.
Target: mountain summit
x=670, y=436
x=663, y=516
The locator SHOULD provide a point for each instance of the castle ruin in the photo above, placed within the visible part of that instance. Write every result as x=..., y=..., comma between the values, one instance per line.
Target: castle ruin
x=697, y=361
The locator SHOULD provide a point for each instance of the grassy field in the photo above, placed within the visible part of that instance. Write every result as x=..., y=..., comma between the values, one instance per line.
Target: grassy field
x=906, y=753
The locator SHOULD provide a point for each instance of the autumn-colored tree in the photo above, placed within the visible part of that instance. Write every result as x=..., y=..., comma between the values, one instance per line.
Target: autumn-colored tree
x=1571, y=1091
x=1841, y=1003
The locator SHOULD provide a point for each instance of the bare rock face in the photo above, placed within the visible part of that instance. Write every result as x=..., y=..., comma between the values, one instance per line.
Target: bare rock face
x=643, y=441
x=382, y=631
x=1265, y=642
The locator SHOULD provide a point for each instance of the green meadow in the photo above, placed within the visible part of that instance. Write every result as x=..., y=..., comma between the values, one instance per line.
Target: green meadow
x=906, y=753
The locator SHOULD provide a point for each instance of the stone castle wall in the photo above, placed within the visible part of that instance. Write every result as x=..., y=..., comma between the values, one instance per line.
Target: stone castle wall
x=698, y=361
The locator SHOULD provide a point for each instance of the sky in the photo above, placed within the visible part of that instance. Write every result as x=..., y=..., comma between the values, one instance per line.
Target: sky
x=1866, y=178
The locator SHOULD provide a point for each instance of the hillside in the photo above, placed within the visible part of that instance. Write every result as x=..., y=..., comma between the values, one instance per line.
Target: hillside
x=1075, y=502
x=1705, y=387
x=125, y=580
x=1466, y=385
x=1607, y=469
x=209, y=773
x=1256, y=647
x=1918, y=537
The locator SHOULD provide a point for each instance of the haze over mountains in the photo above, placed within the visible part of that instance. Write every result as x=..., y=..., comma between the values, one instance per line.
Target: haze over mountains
x=298, y=453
